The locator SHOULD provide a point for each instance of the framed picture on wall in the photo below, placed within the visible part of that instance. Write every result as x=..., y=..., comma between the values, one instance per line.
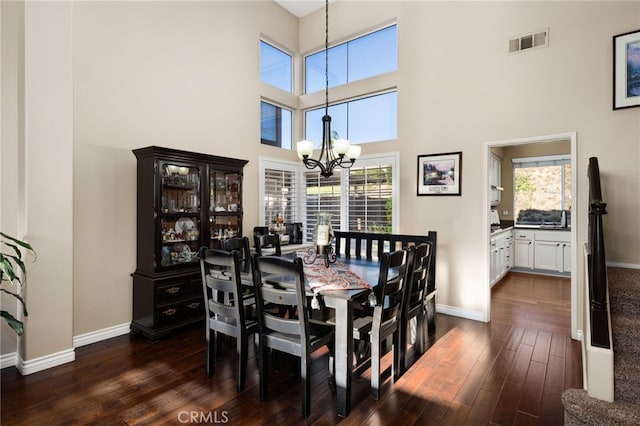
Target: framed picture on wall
x=626, y=70
x=440, y=174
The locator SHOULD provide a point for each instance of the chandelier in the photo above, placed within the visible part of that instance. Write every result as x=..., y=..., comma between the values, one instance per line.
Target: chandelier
x=333, y=152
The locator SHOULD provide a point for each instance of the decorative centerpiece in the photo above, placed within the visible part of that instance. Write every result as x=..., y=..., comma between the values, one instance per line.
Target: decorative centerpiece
x=323, y=236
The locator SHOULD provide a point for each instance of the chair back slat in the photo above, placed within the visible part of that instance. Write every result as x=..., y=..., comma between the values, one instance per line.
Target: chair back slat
x=391, y=285
x=279, y=282
x=242, y=246
x=267, y=241
x=219, y=292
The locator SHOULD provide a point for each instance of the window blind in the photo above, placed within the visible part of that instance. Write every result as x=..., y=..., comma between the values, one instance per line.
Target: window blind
x=370, y=198
x=322, y=195
x=280, y=195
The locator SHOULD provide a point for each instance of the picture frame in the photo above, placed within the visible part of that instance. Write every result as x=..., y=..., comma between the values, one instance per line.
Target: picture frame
x=440, y=174
x=626, y=70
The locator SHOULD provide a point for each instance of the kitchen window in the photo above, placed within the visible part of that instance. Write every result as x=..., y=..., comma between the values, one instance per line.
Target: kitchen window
x=542, y=191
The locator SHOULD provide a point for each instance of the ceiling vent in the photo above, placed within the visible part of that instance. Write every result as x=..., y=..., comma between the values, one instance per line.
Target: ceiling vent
x=529, y=41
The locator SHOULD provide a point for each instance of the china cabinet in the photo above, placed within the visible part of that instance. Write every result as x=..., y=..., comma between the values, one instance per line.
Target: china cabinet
x=185, y=201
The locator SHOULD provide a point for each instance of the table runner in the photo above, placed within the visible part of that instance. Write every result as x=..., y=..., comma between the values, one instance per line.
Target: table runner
x=336, y=277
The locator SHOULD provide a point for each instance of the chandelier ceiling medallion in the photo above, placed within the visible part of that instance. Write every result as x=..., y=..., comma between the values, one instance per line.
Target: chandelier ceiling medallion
x=336, y=152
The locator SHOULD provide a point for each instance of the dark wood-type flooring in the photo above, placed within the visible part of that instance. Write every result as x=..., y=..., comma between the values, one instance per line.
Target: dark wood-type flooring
x=509, y=371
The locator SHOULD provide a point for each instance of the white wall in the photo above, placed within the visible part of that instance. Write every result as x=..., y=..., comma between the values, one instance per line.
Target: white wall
x=184, y=75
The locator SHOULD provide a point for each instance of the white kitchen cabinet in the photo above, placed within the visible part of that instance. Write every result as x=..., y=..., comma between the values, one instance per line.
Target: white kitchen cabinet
x=566, y=257
x=542, y=250
x=548, y=255
x=495, y=179
x=523, y=249
x=501, y=255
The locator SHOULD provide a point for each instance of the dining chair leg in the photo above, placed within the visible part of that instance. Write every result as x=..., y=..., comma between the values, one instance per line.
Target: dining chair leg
x=211, y=351
x=431, y=314
x=401, y=349
x=242, y=346
x=264, y=352
x=420, y=334
x=305, y=372
x=375, y=367
x=398, y=354
x=217, y=338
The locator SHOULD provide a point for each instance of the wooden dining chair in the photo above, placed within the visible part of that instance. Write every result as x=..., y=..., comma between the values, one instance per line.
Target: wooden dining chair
x=267, y=244
x=280, y=281
x=384, y=321
x=241, y=245
x=413, y=305
x=221, y=286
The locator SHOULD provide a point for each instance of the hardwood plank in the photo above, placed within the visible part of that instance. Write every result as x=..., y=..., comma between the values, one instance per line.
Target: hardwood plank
x=531, y=397
x=507, y=405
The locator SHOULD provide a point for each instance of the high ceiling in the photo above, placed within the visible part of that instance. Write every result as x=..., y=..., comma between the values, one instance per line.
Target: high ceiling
x=301, y=8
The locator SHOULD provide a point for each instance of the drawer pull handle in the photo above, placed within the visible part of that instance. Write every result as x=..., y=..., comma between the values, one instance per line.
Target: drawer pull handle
x=193, y=305
x=172, y=290
x=170, y=311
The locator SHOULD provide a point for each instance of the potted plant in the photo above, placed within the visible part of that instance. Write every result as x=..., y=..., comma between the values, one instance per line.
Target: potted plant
x=10, y=261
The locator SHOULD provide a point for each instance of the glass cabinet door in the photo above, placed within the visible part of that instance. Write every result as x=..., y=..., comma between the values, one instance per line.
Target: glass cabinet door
x=225, y=211
x=180, y=214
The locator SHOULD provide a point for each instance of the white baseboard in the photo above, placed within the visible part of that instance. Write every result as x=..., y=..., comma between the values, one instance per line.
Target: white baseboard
x=62, y=357
x=100, y=335
x=623, y=265
x=48, y=361
x=459, y=312
x=8, y=360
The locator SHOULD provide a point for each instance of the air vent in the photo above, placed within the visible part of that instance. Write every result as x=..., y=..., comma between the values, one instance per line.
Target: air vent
x=529, y=41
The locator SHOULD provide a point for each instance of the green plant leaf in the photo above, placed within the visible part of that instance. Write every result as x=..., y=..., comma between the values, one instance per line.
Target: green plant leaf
x=14, y=323
x=19, y=297
x=6, y=268
x=17, y=241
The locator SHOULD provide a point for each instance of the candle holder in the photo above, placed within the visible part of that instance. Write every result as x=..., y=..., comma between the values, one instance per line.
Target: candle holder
x=325, y=251
x=322, y=236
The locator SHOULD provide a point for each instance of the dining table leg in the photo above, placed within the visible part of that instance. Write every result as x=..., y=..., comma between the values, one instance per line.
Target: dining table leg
x=343, y=353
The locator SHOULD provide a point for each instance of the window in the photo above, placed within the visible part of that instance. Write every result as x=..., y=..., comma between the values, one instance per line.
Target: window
x=275, y=67
x=371, y=198
x=360, y=198
x=367, y=56
x=275, y=125
x=369, y=119
x=322, y=195
x=279, y=191
x=541, y=189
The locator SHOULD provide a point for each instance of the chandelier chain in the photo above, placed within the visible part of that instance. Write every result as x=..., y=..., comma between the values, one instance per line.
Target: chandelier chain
x=326, y=58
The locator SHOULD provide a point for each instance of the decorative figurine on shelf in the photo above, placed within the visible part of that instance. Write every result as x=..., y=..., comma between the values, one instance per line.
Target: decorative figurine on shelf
x=323, y=236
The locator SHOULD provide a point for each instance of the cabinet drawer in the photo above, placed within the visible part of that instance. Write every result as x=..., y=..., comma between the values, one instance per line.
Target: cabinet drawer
x=173, y=290
x=556, y=236
x=523, y=235
x=173, y=312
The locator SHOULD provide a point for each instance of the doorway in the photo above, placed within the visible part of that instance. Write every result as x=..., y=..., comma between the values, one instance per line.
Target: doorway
x=533, y=145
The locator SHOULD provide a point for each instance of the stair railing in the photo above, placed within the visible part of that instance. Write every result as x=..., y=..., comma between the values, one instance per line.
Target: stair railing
x=597, y=269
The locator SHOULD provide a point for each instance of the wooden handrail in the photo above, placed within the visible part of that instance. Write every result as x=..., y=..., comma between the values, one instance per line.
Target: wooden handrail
x=596, y=260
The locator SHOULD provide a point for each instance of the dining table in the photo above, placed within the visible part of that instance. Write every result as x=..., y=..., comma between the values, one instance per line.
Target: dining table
x=343, y=285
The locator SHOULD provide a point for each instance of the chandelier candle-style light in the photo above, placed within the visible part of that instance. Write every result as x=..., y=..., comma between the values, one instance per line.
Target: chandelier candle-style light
x=333, y=153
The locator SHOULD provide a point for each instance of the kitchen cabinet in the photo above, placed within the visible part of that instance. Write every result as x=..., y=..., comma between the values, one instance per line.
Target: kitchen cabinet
x=523, y=250
x=540, y=250
x=495, y=179
x=185, y=201
x=501, y=255
x=548, y=255
x=566, y=257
